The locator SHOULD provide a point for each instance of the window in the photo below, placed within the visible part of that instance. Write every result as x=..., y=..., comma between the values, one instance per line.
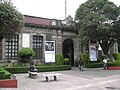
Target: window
x=12, y=47
x=38, y=46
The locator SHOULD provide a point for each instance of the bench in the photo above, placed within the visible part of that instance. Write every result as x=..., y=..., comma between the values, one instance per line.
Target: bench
x=53, y=76
x=33, y=74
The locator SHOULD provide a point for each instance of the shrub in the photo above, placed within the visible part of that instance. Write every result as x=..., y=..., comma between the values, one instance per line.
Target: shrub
x=59, y=59
x=66, y=61
x=26, y=54
x=116, y=56
x=94, y=65
x=114, y=63
x=4, y=74
x=39, y=68
x=85, y=58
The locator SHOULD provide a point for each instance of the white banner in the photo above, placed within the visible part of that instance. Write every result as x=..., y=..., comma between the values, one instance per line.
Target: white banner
x=93, y=54
x=25, y=40
x=49, y=51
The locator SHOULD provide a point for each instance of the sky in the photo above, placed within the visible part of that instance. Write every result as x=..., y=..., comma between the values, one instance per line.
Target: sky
x=50, y=8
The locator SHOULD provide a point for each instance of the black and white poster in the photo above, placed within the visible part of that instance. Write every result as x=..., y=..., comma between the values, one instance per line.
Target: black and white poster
x=49, y=51
x=93, y=53
x=49, y=46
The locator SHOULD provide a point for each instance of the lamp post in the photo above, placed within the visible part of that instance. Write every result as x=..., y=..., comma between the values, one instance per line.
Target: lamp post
x=65, y=8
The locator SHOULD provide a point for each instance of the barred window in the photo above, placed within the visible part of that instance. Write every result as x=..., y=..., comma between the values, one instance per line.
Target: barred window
x=38, y=46
x=12, y=47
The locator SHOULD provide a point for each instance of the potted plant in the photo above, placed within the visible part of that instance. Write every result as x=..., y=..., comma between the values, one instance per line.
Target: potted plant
x=26, y=54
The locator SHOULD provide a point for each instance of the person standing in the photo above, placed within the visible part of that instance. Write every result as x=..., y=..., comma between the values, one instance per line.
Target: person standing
x=32, y=67
x=105, y=63
x=81, y=65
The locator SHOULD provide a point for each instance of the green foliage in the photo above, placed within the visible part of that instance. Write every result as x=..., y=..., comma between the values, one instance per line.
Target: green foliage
x=116, y=56
x=85, y=58
x=11, y=20
x=59, y=59
x=114, y=63
x=94, y=65
x=39, y=68
x=66, y=61
x=26, y=55
x=4, y=74
x=53, y=68
x=96, y=19
x=26, y=52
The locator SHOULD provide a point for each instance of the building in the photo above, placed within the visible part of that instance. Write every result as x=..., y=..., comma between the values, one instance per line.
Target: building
x=36, y=31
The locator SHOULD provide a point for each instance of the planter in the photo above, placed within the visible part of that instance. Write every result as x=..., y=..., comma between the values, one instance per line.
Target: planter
x=26, y=59
x=9, y=83
x=114, y=68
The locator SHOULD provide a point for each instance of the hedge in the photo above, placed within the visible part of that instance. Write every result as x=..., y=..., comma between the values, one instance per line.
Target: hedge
x=94, y=65
x=4, y=74
x=14, y=70
x=115, y=63
x=116, y=56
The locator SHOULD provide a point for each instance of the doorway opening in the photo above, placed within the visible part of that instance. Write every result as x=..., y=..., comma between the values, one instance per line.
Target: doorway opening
x=68, y=50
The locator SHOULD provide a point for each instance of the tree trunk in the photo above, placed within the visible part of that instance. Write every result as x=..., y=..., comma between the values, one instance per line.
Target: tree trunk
x=106, y=45
x=0, y=48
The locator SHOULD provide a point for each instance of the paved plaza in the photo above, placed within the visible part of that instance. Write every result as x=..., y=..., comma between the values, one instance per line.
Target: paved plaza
x=89, y=79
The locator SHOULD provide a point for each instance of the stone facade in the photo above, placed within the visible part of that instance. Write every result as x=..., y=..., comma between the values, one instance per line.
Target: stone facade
x=49, y=30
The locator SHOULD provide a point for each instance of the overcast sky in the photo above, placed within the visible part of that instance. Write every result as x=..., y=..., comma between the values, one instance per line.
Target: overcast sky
x=50, y=8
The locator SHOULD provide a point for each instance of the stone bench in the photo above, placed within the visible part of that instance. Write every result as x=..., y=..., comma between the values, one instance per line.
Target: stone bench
x=33, y=74
x=53, y=76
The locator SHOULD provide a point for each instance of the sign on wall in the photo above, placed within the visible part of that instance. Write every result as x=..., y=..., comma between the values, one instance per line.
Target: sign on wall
x=25, y=40
x=49, y=51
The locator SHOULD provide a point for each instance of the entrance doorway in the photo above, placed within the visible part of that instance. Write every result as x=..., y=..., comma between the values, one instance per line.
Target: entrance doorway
x=68, y=50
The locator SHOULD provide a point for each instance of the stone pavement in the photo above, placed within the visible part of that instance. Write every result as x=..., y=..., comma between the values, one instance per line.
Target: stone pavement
x=89, y=79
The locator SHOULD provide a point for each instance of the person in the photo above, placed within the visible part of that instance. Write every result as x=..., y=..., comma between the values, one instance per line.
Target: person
x=81, y=65
x=32, y=68
x=105, y=63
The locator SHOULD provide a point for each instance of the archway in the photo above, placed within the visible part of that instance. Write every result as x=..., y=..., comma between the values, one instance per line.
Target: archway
x=68, y=50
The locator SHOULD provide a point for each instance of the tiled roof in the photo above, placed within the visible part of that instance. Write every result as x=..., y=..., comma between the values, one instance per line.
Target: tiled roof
x=37, y=20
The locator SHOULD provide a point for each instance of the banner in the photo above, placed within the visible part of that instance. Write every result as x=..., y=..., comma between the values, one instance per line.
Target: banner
x=93, y=53
x=49, y=51
x=25, y=40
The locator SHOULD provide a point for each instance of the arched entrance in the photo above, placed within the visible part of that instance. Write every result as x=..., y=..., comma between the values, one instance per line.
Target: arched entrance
x=68, y=50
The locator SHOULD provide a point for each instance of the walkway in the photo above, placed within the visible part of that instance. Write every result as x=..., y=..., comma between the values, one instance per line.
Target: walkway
x=89, y=79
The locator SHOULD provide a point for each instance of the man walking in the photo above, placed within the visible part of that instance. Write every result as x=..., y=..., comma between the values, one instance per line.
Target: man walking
x=81, y=65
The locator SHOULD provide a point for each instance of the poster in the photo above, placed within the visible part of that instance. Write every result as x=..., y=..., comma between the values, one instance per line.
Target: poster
x=26, y=40
x=93, y=53
x=49, y=51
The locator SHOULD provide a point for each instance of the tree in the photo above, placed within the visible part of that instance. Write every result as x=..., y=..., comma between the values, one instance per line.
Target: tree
x=11, y=20
x=96, y=19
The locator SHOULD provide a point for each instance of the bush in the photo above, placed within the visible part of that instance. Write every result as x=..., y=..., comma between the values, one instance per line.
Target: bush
x=85, y=58
x=4, y=74
x=116, y=56
x=114, y=63
x=59, y=59
x=66, y=61
x=94, y=65
x=53, y=68
x=26, y=54
x=39, y=68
